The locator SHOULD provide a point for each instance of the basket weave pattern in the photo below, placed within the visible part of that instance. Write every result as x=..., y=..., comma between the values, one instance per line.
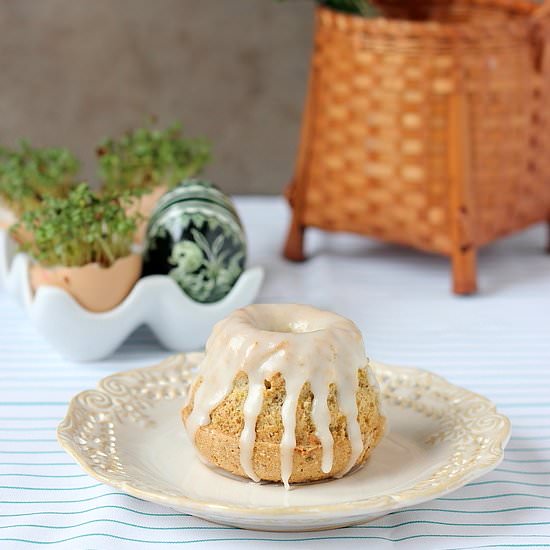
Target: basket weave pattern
x=424, y=134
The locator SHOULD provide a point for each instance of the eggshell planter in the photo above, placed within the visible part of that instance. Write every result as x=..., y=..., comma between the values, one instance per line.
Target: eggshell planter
x=145, y=205
x=7, y=220
x=94, y=287
x=179, y=323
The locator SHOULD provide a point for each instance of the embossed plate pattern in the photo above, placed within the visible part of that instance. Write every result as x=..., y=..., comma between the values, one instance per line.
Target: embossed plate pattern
x=127, y=433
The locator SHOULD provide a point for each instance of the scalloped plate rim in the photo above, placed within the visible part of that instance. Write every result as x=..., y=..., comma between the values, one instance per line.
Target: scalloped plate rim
x=358, y=511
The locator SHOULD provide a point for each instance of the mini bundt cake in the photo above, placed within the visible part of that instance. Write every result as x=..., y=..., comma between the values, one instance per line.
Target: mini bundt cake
x=284, y=393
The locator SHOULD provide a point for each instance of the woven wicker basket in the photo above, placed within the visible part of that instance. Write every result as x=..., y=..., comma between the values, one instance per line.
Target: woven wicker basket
x=428, y=134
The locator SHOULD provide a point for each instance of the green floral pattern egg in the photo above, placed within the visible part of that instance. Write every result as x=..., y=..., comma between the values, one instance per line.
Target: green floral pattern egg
x=195, y=236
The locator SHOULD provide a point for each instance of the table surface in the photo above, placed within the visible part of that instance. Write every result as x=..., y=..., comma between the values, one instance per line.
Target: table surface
x=496, y=343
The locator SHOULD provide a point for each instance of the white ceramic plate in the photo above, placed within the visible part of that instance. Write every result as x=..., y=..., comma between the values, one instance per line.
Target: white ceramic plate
x=128, y=433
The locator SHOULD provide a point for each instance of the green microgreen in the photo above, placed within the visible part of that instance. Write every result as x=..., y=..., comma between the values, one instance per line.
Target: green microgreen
x=28, y=175
x=81, y=228
x=144, y=159
x=358, y=7
x=362, y=7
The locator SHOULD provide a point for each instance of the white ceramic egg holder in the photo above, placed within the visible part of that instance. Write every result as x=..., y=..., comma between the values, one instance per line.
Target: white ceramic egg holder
x=179, y=323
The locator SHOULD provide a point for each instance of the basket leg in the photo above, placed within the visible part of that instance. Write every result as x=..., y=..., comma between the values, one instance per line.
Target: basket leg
x=294, y=247
x=462, y=194
x=464, y=260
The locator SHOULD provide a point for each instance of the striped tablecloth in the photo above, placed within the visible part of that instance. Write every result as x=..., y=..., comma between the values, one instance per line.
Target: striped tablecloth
x=496, y=343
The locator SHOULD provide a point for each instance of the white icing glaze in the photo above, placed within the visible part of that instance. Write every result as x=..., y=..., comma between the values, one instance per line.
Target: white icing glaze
x=301, y=343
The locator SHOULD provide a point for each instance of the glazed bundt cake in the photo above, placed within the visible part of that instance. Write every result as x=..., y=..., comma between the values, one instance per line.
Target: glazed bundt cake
x=284, y=393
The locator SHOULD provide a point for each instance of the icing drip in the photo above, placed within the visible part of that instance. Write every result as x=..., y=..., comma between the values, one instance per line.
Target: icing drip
x=304, y=345
x=288, y=413
x=251, y=410
x=320, y=414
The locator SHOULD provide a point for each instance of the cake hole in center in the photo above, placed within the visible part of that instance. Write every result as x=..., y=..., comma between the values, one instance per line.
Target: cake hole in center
x=287, y=322
x=292, y=327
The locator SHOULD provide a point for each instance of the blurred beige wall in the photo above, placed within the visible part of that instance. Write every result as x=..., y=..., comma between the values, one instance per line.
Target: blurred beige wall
x=234, y=71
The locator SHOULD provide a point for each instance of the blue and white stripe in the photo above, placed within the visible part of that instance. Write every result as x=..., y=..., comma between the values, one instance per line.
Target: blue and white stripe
x=497, y=344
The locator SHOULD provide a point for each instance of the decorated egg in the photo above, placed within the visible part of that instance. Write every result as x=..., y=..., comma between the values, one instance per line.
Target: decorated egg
x=195, y=237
